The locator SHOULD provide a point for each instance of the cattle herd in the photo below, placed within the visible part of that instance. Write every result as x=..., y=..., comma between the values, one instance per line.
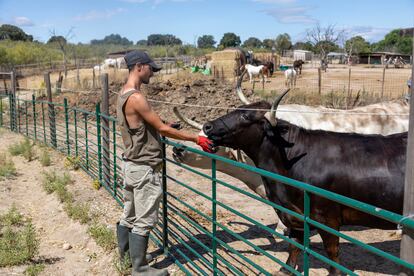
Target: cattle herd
x=358, y=153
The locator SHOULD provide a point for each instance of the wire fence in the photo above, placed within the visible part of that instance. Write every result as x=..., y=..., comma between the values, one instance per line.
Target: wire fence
x=198, y=225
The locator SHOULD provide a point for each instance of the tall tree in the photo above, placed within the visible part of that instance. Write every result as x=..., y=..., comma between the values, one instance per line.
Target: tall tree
x=252, y=42
x=395, y=41
x=57, y=39
x=206, y=41
x=13, y=33
x=356, y=45
x=112, y=39
x=303, y=46
x=62, y=45
x=142, y=42
x=268, y=43
x=325, y=39
x=230, y=40
x=282, y=43
x=160, y=39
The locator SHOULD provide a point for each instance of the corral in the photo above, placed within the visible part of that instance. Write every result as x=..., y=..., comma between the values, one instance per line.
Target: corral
x=204, y=91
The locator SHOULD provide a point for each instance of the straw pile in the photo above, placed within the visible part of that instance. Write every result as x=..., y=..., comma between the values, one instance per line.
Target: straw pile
x=225, y=64
x=267, y=57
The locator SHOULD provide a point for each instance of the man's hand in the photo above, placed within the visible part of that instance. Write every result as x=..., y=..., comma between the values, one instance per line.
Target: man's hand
x=176, y=125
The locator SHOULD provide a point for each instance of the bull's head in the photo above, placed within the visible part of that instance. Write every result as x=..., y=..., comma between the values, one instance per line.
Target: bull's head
x=246, y=125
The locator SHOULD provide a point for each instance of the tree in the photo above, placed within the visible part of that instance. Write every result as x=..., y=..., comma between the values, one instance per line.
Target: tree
x=303, y=46
x=252, y=42
x=206, y=41
x=142, y=42
x=230, y=40
x=160, y=39
x=395, y=42
x=356, y=45
x=115, y=39
x=13, y=33
x=268, y=43
x=325, y=40
x=57, y=39
x=282, y=43
x=61, y=42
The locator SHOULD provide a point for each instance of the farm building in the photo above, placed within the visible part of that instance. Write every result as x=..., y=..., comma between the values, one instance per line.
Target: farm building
x=302, y=54
x=336, y=58
x=379, y=57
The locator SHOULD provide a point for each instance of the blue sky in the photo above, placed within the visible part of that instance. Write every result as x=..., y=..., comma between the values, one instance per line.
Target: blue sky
x=188, y=19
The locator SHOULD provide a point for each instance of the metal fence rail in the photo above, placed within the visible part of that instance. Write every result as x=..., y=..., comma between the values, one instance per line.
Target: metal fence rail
x=199, y=238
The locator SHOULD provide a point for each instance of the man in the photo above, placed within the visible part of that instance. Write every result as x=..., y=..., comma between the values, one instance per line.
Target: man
x=142, y=162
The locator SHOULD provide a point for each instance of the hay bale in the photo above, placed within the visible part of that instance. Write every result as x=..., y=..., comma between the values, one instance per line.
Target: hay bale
x=226, y=55
x=224, y=68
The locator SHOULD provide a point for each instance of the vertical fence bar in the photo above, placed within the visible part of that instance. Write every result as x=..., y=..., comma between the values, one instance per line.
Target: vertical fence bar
x=65, y=105
x=34, y=116
x=75, y=121
x=214, y=218
x=27, y=122
x=383, y=84
x=51, y=111
x=13, y=113
x=319, y=81
x=18, y=114
x=85, y=116
x=114, y=157
x=43, y=123
x=105, y=131
x=164, y=200
x=1, y=111
x=10, y=111
x=98, y=137
x=306, y=233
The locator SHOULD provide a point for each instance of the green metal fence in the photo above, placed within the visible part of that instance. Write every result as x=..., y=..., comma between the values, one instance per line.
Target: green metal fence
x=199, y=238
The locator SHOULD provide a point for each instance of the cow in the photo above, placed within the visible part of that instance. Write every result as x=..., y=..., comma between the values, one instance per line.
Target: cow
x=261, y=70
x=368, y=168
x=297, y=65
x=290, y=77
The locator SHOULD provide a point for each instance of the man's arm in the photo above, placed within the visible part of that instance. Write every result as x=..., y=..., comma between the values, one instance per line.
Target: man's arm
x=141, y=105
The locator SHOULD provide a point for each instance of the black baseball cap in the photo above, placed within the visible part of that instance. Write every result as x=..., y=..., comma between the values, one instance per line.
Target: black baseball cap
x=140, y=57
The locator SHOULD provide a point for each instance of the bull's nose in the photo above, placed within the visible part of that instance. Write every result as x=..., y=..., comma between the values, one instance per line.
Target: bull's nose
x=207, y=127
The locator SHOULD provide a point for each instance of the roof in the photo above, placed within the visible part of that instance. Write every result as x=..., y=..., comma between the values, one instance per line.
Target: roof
x=302, y=51
x=382, y=53
x=330, y=54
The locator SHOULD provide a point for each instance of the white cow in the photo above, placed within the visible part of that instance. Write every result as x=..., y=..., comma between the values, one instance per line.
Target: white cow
x=290, y=78
x=253, y=71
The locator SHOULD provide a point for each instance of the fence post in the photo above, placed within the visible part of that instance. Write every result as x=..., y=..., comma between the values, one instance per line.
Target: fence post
x=98, y=137
x=13, y=111
x=383, y=82
x=114, y=155
x=93, y=78
x=105, y=129
x=319, y=81
x=65, y=105
x=27, y=122
x=1, y=111
x=76, y=131
x=407, y=240
x=34, y=116
x=43, y=123
x=214, y=218
x=164, y=200
x=85, y=116
x=349, y=89
x=51, y=111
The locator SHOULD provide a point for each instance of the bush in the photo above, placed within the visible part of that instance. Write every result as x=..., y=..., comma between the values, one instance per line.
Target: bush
x=103, y=236
x=18, y=240
x=7, y=168
x=72, y=162
x=45, y=158
x=79, y=212
x=24, y=148
x=34, y=269
x=52, y=182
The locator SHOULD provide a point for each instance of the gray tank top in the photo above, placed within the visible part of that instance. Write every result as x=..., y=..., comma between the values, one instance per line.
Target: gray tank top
x=142, y=144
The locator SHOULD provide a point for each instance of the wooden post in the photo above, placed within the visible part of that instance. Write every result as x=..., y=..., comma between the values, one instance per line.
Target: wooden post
x=407, y=241
x=93, y=78
x=319, y=81
x=369, y=59
x=349, y=89
x=51, y=111
x=222, y=73
x=105, y=130
x=383, y=83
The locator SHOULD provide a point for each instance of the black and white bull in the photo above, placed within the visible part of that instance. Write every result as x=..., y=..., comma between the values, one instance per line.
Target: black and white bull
x=369, y=168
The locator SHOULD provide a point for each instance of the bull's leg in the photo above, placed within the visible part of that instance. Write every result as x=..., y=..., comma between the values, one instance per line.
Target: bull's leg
x=331, y=244
x=294, y=252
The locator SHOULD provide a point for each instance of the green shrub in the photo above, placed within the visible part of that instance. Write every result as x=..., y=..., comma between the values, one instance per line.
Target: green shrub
x=53, y=183
x=18, y=240
x=45, y=159
x=34, y=269
x=78, y=211
x=7, y=168
x=103, y=236
x=24, y=148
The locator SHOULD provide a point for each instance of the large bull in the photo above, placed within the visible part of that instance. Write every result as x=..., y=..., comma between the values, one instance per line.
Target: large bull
x=368, y=168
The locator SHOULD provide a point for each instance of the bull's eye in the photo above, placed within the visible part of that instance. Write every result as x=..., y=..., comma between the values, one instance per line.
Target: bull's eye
x=244, y=117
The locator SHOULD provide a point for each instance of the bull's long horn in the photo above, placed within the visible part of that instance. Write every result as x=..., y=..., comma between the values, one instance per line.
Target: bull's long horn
x=272, y=117
x=239, y=89
x=186, y=120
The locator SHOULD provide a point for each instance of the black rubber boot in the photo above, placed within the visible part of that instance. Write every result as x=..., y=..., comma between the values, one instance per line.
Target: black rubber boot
x=138, y=247
x=122, y=234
